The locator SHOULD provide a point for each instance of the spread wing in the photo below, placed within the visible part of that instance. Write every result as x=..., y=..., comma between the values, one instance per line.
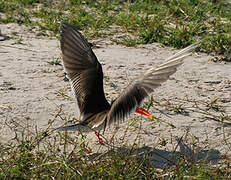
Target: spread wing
x=141, y=87
x=84, y=71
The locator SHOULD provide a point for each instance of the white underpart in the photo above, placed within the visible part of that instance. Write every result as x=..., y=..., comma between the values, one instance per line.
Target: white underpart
x=76, y=101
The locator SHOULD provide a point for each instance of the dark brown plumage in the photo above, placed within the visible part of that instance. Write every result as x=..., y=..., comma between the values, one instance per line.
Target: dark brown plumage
x=86, y=76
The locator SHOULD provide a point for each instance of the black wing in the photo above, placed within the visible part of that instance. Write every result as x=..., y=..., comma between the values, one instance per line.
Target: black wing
x=84, y=71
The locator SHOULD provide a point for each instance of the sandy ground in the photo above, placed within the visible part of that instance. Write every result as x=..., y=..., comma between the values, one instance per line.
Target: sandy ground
x=32, y=92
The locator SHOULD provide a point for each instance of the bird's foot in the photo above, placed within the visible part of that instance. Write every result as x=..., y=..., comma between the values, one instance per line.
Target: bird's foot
x=99, y=138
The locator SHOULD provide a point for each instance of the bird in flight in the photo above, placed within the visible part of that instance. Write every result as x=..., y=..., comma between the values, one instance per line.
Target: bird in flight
x=86, y=76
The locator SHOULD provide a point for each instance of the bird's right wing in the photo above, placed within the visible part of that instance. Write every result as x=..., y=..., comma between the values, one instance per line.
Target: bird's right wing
x=141, y=87
x=83, y=69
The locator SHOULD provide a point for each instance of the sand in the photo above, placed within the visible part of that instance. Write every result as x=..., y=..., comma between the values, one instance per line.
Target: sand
x=32, y=92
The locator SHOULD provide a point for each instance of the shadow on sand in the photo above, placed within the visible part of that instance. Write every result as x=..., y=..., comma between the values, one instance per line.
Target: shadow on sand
x=162, y=158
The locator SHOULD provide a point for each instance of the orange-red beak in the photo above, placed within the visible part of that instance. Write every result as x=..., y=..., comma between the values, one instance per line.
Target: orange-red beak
x=144, y=112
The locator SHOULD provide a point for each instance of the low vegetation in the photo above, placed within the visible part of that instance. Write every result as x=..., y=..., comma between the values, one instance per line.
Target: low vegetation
x=51, y=155
x=172, y=23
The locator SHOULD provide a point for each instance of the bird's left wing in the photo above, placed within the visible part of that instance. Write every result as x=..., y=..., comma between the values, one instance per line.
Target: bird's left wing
x=141, y=87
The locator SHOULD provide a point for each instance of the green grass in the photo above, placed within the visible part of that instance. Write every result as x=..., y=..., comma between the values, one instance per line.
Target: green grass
x=31, y=159
x=172, y=23
x=55, y=62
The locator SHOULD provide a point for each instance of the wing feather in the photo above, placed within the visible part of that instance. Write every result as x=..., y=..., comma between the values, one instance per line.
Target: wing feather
x=136, y=92
x=84, y=71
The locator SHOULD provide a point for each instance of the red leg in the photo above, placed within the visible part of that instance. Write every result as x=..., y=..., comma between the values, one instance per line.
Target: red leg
x=99, y=138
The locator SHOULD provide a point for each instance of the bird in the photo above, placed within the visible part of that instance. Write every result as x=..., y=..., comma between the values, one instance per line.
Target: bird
x=86, y=77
